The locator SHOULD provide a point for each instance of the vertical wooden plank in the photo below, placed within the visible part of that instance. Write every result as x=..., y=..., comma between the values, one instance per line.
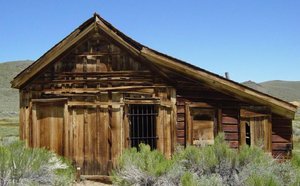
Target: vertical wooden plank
x=116, y=133
x=27, y=125
x=252, y=131
x=122, y=134
x=243, y=132
x=103, y=138
x=80, y=133
x=270, y=124
x=66, y=132
x=188, y=127
x=86, y=142
x=173, y=119
x=97, y=141
x=160, y=129
x=116, y=128
x=78, y=137
x=71, y=133
x=89, y=138
x=256, y=130
x=126, y=128
x=92, y=139
x=30, y=126
x=167, y=132
x=34, y=128
x=267, y=128
x=220, y=129
x=44, y=124
x=59, y=129
x=52, y=123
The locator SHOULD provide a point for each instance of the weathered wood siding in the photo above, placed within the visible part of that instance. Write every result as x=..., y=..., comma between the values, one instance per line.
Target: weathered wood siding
x=78, y=106
x=181, y=122
x=281, y=136
x=230, y=126
x=226, y=111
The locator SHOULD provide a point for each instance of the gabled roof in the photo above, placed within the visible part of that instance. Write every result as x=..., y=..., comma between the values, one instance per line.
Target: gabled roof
x=215, y=81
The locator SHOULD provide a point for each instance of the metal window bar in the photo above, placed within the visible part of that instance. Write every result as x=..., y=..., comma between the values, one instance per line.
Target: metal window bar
x=142, y=125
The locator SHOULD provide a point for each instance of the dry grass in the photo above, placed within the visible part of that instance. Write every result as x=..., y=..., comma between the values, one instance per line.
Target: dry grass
x=9, y=128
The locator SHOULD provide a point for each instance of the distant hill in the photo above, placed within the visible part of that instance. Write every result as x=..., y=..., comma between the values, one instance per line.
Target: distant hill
x=285, y=90
x=9, y=99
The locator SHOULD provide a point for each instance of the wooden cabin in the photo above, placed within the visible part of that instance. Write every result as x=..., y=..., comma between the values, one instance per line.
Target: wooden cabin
x=98, y=92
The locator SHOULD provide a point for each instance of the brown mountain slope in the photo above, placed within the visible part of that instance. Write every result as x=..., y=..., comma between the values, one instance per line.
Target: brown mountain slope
x=9, y=98
x=285, y=90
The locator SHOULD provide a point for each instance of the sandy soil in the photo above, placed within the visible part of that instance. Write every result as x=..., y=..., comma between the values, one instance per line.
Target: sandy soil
x=92, y=183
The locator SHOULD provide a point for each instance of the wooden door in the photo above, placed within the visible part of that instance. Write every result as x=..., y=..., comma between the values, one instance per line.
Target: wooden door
x=48, y=126
x=89, y=139
x=200, y=126
x=256, y=128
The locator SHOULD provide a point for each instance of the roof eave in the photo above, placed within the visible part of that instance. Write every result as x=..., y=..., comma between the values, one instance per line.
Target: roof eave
x=278, y=106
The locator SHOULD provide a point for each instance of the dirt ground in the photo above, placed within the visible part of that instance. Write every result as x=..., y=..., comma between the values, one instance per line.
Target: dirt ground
x=92, y=183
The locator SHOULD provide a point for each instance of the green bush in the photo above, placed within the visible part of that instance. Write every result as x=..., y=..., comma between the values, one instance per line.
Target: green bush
x=261, y=180
x=25, y=166
x=210, y=165
x=188, y=179
x=141, y=166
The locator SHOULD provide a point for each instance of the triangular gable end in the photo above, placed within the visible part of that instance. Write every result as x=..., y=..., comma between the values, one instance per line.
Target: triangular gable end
x=159, y=60
x=55, y=52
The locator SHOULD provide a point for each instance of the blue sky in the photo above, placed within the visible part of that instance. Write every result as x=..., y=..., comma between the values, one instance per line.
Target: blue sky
x=252, y=40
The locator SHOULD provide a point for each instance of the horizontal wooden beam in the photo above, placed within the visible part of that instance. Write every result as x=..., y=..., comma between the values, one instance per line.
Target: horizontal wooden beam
x=95, y=104
x=50, y=100
x=97, y=90
x=142, y=101
x=109, y=73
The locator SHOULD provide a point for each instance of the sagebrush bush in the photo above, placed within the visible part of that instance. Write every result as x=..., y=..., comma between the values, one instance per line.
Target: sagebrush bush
x=142, y=166
x=26, y=166
x=210, y=165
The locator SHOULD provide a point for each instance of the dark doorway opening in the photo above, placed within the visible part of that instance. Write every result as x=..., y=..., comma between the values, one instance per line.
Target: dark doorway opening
x=248, y=134
x=142, y=120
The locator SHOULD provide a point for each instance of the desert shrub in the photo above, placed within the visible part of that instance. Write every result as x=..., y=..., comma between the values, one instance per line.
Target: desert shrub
x=188, y=179
x=217, y=159
x=251, y=155
x=216, y=164
x=261, y=180
x=143, y=166
x=25, y=166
